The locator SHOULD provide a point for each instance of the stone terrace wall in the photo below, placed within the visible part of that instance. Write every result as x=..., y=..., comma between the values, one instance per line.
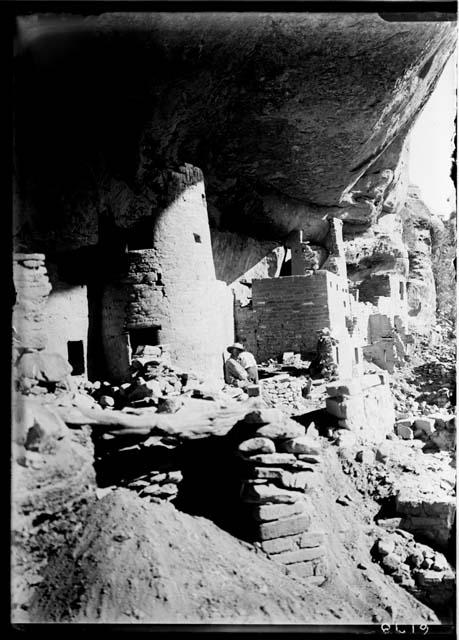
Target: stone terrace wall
x=288, y=311
x=32, y=287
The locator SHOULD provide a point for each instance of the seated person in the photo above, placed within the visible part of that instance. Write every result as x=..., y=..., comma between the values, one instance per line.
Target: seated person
x=235, y=374
x=250, y=365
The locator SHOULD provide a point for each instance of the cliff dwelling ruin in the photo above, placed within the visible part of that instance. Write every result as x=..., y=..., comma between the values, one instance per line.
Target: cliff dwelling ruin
x=188, y=184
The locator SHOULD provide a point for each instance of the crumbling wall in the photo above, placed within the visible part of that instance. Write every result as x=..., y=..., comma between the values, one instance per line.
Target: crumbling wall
x=32, y=287
x=279, y=467
x=363, y=405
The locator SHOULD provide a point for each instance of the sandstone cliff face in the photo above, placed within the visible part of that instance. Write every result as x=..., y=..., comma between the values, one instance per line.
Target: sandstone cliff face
x=291, y=117
x=417, y=236
x=286, y=114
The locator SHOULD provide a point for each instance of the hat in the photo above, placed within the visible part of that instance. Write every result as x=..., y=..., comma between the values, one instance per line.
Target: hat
x=236, y=345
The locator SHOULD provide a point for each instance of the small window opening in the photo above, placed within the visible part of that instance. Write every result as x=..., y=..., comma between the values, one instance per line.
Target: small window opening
x=197, y=238
x=159, y=280
x=402, y=290
x=145, y=336
x=75, y=351
x=337, y=355
x=356, y=354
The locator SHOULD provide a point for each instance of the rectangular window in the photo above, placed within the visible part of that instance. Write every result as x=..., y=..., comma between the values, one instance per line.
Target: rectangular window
x=75, y=351
x=402, y=290
x=337, y=355
x=144, y=336
x=197, y=238
x=356, y=354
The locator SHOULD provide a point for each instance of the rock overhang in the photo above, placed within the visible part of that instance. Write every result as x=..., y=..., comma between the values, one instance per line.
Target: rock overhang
x=283, y=112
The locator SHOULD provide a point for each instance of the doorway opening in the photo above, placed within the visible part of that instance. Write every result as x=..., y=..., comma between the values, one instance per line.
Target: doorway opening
x=145, y=336
x=75, y=356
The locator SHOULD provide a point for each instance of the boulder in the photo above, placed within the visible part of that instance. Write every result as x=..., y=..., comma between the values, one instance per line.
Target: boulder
x=36, y=426
x=286, y=429
x=367, y=456
x=404, y=431
x=302, y=444
x=257, y=445
x=44, y=367
x=386, y=546
x=264, y=416
x=383, y=452
x=80, y=400
x=170, y=405
x=106, y=402
x=427, y=425
x=392, y=562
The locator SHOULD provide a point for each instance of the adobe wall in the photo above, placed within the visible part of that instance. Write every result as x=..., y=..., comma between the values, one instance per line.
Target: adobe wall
x=173, y=286
x=66, y=312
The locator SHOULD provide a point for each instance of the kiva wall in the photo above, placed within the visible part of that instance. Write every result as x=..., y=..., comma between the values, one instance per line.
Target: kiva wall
x=172, y=287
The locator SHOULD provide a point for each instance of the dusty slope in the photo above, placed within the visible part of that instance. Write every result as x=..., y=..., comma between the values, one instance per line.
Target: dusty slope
x=150, y=563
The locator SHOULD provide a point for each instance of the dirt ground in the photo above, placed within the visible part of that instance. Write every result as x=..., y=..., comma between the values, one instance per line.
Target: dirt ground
x=142, y=562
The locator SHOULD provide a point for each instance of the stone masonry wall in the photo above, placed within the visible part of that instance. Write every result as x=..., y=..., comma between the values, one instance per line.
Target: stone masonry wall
x=32, y=287
x=244, y=326
x=288, y=311
x=173, y=286
x=278, y=468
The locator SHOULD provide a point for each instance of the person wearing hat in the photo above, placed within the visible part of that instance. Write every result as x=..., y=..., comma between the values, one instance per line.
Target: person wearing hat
x=241, y=358
x=235, y=374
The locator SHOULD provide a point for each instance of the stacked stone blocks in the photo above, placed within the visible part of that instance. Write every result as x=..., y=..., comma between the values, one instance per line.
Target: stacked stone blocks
x=279, y=469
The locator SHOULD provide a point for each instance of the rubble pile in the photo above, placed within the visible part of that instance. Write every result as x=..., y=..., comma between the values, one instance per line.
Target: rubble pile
x=427, y=382
x=437, y=431
x=421, y=484
x=285, y=392
x=425, y=573
x=279, y=467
